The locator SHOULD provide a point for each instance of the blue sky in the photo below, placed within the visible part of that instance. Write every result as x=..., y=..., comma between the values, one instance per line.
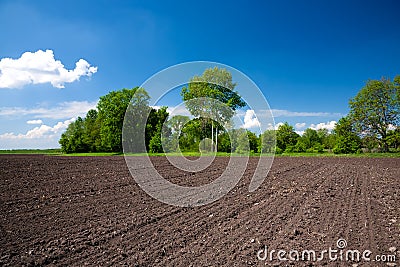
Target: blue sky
x=308, y=57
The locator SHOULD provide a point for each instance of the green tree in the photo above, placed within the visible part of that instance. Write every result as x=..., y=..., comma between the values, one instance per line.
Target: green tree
x=190, y=137
x=175, y=124
x=154, y=127
x=224, y=143
x=286, y=136
x=92, y=127
x=300, y=146
x=216, y=84
x=243, y=142
x=111, y=113
x=393, y=138
x=323, y=135
x=267, y=141
x=73, y=139
x=310, y=138
x=347, y=141
x=370, y=142
x=376, y=107
x=136, y=123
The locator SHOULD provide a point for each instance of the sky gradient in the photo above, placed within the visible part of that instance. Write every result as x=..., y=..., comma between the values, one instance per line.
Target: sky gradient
x=308, y=57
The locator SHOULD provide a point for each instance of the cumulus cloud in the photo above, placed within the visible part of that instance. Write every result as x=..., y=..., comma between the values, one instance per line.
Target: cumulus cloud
x=278, y=124
x=60, y=111
x=39, y=132
x=300, y=125
x=40, y=67
x=34, y=122
x=250, y=120
x=328, y=125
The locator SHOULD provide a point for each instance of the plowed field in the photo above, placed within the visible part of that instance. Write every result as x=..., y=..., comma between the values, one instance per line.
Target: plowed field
x=76, y=211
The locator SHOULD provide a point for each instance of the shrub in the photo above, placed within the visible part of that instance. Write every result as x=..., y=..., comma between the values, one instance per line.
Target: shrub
x=289, y=149
x=278, y=150
x=300, y=146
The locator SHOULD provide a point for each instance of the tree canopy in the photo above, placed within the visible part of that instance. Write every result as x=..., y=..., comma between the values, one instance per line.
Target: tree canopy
x=371, y=125
x=211, y=97
x=376, y=108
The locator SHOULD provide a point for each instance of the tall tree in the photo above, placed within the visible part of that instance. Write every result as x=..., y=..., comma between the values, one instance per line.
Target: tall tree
x=73, y=140
x=92, y=131
x=267, y=141
x=176, y=124
x=286, y=136
x=111, y=113
x=347, y=141
x=376, y=107
x=216, y=84
x=154, y=128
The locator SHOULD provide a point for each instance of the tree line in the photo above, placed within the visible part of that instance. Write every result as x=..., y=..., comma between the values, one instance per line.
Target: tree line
x=372, y=124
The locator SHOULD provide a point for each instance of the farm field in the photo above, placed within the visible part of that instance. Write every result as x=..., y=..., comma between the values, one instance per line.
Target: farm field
x=76, y=211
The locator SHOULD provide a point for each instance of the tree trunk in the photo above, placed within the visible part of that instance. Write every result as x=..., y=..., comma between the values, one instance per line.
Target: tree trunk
x=216, y=139
x=212, y=136
x=385, y=144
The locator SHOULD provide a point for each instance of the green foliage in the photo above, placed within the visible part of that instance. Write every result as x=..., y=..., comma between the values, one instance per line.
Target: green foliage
x=267, y=142
x=289, y=149
x=393, y=138
x=101, y=131
x=310, y=138
x=212, y=95
x=300, y=146
x=73, y=140
x=92, y=131
x=370, y=143
x=190, y=136
x=224, y=143
x=347, y=141
x=214, y=83
x=155, y=145
x=316, y=148
x=175, y=125
x=376, y=107
x=286, y=136
x=346, y=145
x=246, y=141
x=374, y=116
x=154, y=126
x=111, y=113
x=253, y=141
x=278, y=150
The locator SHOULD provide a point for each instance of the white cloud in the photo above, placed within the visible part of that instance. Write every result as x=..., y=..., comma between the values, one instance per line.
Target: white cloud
x=39, y=131
x=34, y=122
x=250, y=120
x=38, y=68
x=278, y=124
x=300, y=125
x=328, y=125
x=179, y=110
x=61, y=111
x=288, y=113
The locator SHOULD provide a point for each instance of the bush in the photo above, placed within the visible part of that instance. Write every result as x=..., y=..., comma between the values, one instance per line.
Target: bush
x=289, y=149
x=300, y=147
x=155, y=144
x=347, y=145
x=318, y=148
x=278, y=150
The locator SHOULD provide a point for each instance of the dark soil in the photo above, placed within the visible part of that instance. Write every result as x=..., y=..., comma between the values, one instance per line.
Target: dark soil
x=89, y=211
